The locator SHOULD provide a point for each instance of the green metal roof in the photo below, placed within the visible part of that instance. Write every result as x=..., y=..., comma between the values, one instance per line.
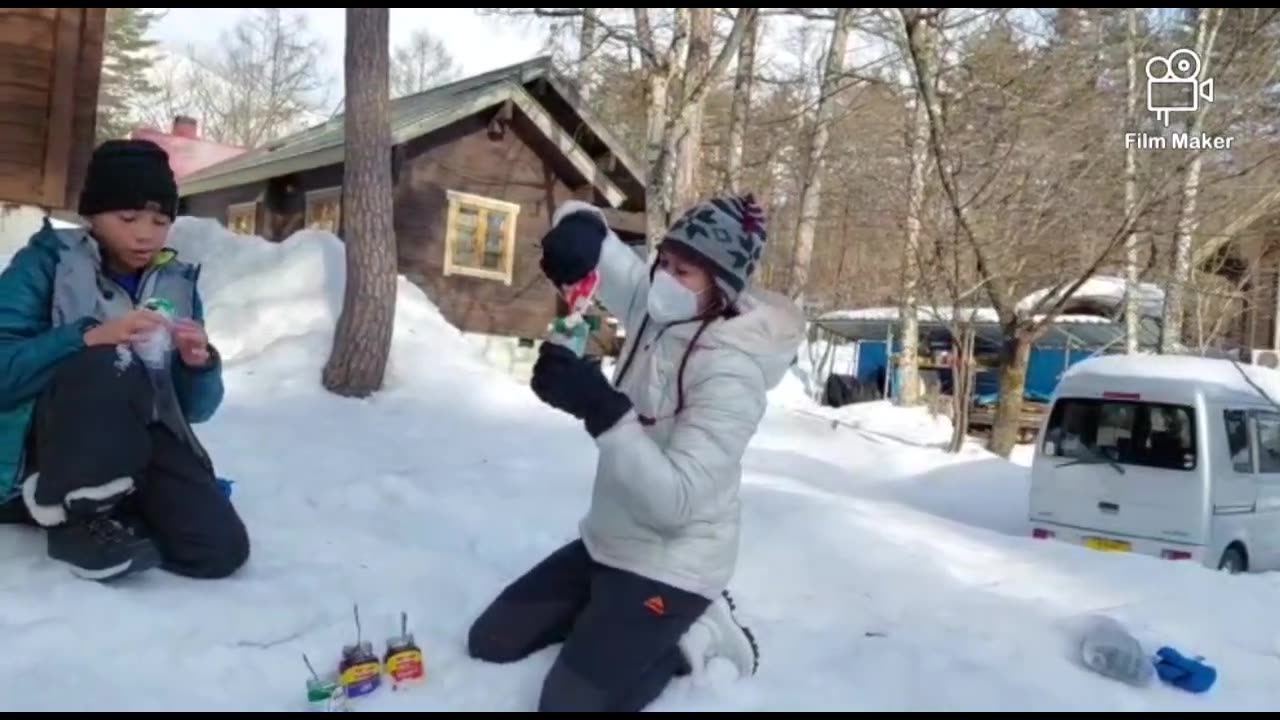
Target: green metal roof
x=413, y=116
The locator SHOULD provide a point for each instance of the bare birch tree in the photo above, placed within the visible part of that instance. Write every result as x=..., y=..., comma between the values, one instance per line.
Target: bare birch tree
x=688, y=161
x=669, y=116
x=740, y=107
x=917, y=150
x=1208, y=20
x=1132, y=311
x=588, y=43
x=260, y=80
x=811, y=186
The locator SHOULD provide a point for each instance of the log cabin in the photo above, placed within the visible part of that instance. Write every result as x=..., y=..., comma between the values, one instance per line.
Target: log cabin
x=478, y=168
x=50, y=69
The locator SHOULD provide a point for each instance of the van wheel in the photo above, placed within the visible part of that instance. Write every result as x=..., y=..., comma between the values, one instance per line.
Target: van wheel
x=1233, y=560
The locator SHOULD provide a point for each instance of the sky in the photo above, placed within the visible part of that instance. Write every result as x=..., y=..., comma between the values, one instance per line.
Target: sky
x=477, y=43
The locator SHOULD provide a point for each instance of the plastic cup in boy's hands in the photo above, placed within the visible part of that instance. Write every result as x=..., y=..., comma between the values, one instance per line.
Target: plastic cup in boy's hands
x=156, y=342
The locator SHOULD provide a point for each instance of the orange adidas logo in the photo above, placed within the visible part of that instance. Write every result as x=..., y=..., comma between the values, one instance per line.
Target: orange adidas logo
x=656, y=605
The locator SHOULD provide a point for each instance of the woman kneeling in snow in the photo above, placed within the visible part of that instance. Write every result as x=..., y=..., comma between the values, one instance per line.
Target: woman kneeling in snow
x=641, y=597
x=93, y=446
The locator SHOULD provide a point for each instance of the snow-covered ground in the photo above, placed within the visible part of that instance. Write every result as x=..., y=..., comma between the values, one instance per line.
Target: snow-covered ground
x=878, y=572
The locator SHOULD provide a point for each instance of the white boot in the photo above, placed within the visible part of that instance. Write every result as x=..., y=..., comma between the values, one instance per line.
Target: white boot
x=718, y=634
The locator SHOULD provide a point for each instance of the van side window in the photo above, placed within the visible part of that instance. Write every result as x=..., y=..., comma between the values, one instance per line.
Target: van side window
x=1268, y=442
x=1131, y=432
x=1237, y=425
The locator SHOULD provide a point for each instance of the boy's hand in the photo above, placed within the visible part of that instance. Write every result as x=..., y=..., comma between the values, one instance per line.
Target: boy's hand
x=124, y=329
x=192, y=342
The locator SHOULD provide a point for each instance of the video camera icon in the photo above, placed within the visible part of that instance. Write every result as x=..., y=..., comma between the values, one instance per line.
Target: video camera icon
x=1173, y=84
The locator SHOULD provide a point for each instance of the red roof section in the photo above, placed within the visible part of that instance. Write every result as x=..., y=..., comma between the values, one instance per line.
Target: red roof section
x=188, y=154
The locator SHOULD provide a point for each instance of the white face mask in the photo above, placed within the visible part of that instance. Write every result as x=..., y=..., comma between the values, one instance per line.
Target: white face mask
x=669, y=301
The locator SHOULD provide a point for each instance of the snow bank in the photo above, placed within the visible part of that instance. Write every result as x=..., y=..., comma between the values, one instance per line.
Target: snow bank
x=259, y=294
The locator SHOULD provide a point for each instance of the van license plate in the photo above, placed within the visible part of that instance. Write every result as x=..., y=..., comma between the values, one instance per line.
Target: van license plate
x=1107, y=545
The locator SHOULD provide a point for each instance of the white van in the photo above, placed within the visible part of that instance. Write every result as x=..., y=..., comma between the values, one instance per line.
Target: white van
x=1172, y=456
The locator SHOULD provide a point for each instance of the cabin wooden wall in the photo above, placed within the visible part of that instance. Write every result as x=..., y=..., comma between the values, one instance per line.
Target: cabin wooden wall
x=50, y=66
x=466, y=157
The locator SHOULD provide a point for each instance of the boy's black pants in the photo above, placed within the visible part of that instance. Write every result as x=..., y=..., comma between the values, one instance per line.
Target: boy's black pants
x=620, y=631
x=93, y=425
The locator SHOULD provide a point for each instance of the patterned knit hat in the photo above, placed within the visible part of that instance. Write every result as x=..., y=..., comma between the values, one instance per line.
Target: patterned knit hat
x=728, y=233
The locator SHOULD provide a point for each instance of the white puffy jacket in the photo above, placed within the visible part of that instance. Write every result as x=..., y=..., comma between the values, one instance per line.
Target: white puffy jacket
x=665, y=502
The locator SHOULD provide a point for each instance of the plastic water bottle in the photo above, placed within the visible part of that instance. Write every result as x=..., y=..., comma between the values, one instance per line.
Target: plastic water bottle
x=1109, y=650
x=155, y=348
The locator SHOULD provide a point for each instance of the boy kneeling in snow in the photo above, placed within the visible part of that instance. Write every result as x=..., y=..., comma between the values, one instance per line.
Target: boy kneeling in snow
x=640, y=598
x=94, y=447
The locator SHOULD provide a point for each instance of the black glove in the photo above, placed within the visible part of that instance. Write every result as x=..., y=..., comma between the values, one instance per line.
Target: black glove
x=571, y=249
x=567, y=382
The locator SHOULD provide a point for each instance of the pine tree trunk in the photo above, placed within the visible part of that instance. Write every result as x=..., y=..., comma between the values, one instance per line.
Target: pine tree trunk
x=1015, y=351
x=811, y=187
x=740, y=107
x=362, y=341
x=1132, y=309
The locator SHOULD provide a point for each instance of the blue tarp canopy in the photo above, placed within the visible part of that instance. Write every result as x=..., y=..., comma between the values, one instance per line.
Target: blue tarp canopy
x=1062, y=343
x=1078, y=332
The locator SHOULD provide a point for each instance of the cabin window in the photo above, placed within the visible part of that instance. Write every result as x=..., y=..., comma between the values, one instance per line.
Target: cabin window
x=480, y=237
x=324, y=209
x=1237, y=426
x=242, y=218
x=1093, y=431
x=1268, y=424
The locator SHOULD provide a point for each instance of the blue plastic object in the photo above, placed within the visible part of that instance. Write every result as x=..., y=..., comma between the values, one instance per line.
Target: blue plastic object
x=225, y=486
x=1189, y=674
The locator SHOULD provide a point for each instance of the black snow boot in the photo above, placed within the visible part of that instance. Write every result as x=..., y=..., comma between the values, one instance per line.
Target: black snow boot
x=98, y=547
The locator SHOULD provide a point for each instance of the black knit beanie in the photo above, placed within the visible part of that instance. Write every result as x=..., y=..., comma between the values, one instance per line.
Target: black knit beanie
x=127, y=175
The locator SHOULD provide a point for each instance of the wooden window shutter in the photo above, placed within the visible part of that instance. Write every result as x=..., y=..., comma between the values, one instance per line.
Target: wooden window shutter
x=50, y=67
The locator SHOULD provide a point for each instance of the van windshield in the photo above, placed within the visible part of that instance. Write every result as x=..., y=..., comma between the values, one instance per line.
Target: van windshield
x=1128, y=432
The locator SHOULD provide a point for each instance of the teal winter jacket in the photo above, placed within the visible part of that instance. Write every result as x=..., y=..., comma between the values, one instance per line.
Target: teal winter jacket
x=32, y=346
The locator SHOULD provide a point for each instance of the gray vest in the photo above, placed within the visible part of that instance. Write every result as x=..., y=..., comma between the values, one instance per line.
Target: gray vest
x=81, y=289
